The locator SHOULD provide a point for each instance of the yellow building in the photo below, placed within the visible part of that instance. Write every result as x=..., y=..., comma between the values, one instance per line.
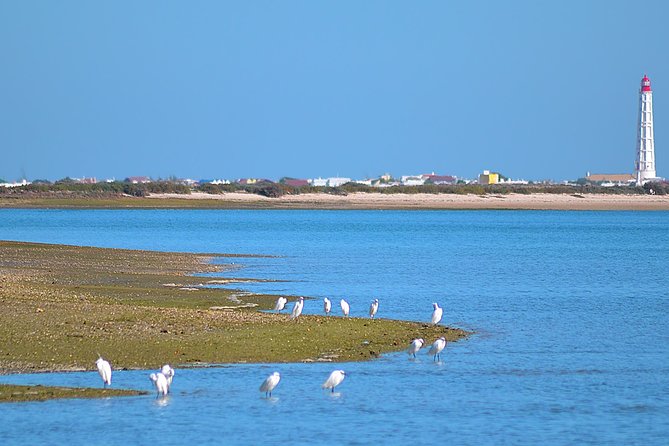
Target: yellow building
x=488, y=177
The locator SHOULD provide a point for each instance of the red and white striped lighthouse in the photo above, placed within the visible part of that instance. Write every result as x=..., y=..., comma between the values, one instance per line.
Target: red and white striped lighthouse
x=645, y=141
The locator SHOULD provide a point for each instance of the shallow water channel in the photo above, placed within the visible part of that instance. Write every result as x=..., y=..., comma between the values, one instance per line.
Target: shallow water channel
x=570, y=311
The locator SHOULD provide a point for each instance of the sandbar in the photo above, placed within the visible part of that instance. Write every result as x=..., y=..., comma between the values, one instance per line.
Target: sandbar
x=365, y=200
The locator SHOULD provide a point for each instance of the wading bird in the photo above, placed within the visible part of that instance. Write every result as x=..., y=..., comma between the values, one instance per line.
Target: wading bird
x=327, y=306
x=345, y=308
x=415, y=345
x=104, y=369
x=436, y=314
x=297, y=308
x=270, y=383
x=373, y=308
x=169, y=374
x=160, y=382
x=334, y=380
x=437, y=347
x=280, y=304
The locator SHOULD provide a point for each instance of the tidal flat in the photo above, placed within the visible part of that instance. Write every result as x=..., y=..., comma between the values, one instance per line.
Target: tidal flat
x=15, y=393
x=62, y=306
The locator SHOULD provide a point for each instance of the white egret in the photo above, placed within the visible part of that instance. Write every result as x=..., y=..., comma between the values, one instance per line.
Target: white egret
x=436, y=314
x=297, y=308
x=105, y=371
x=327, y=306
x=345, y=308
x=437, y=347
x=280, y=304
x=270, y=383
x=160, y=382
x=169, y=374
x=373, y=308
x=334, y=380
x=415, y=345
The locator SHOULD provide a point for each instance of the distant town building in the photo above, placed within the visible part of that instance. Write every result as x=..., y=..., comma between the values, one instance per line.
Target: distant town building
x=427, y=178
x=329, y=182
x=645, y=141
x=138, y=180
x=253, y=180
x=614, y=179
x=488, y=177
x=294, y=182
x=439, y=179
x=85, y=180
x=379, y=183
x=512, y=182
x=412, y=180
x=367, y=182
x=338, y=181
x=23, y=182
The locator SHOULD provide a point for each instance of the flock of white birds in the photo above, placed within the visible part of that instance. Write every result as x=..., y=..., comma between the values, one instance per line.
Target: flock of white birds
x=298, y=306
x=162, y=380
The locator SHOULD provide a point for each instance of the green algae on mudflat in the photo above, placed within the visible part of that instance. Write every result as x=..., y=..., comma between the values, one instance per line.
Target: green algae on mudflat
x=64, y=305
x=10, y=393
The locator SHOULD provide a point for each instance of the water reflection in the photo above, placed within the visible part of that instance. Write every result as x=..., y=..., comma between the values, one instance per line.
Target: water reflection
x=162, y=400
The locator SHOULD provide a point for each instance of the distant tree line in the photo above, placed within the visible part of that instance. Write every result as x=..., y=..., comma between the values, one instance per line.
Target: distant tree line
x=499, y=189
x=274, y=190
x=116, y=188
x=656, y=188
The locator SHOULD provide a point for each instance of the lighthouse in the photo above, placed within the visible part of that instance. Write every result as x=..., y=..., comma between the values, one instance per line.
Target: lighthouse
x=645, y=142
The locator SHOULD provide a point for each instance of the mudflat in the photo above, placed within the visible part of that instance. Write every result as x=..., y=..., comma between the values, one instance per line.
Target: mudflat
x=10, y=393
x=64, y=305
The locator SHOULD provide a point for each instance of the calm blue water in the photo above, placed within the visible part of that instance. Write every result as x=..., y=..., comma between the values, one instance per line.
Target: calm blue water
x=570, y=310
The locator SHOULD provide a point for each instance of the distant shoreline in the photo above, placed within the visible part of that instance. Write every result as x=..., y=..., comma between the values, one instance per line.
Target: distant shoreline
x=352, y=201
x=365, y=200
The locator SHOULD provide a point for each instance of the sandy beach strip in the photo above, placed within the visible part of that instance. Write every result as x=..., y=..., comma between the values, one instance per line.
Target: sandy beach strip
x=361, y=200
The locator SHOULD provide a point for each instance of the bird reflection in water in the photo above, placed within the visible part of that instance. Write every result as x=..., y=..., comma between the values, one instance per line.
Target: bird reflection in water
x=162, y=400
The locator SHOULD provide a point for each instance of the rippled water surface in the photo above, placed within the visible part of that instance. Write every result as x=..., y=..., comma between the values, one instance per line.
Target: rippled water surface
x=570, y=310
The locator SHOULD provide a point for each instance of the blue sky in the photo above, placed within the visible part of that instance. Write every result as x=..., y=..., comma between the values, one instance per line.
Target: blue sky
x=214, y=89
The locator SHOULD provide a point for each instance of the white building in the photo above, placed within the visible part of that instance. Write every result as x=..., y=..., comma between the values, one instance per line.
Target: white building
x=329, y=182
x=412, y=180
x=513, y=182
x=645, y=141
x=15, y=184
x=338, y=181
x=365, y=182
